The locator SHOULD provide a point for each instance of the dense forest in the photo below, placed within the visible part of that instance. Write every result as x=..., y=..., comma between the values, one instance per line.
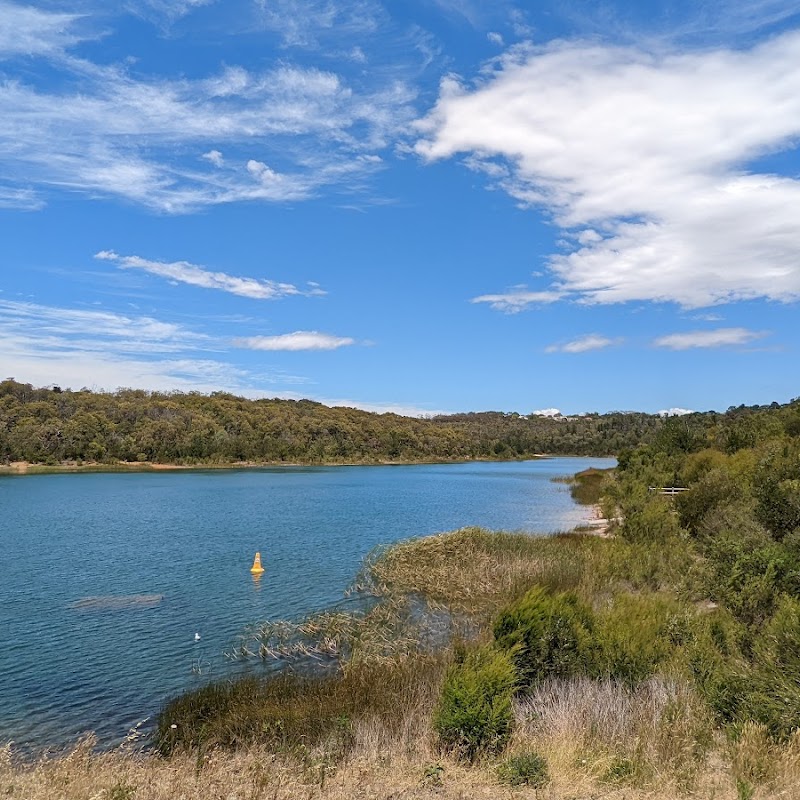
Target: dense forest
x=50, y=426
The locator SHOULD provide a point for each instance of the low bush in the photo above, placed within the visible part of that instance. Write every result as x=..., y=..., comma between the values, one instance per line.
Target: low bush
x=474, y=714
x=549, y=635
x=524, y=769
x=748, y=575
x=636, y=634
x=649, y=520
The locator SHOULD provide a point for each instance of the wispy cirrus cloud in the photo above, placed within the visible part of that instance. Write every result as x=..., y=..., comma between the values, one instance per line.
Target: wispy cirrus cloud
x=106, y=350
x=720, y=337
x=287, y=132
x=19, y=198
x=517, y=299
x=101, y=349
x=302, y=23
x=166, y=10
x=194, y=275
x=95, y=329
x=583, y=344
x=642, y=160
x=30, y=31
x=294, y=342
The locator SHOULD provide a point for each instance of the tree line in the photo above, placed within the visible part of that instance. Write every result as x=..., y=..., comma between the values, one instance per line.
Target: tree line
x=51, y=425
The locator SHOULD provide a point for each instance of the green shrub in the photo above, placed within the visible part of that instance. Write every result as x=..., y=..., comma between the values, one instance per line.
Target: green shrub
x=748, y=576
x=637, y=634
x=524, y=769
x=650, y=521
x=776, y=486
x=550, y=635
x=121, y=790
x=474, y=714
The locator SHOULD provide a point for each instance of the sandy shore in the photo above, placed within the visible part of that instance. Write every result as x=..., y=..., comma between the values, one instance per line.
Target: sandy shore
x=29, y=468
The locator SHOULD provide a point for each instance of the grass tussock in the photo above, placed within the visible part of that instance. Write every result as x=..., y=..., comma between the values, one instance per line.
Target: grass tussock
x=588, y=486
x=293, y=713
x=477, y=571
x=607, y=732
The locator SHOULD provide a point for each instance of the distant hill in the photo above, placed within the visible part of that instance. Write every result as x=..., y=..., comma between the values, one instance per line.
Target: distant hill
x=50, y=425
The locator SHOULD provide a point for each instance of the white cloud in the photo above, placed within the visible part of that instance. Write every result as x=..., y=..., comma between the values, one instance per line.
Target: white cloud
x=106, y=350
x=91, y=329
x=517, y=300
x=194, y=275
x=167, y=11
x=674, y=412
x=401, y=409
x=708, y=317
x=104, y=132
x=302, y=23
x=214, y=157
x=29, y=31
x=583, y=344
x=642, y=161
x=546, y=412
x=22, y=199
x=299, y=340
x=495, y=38
x=721, y=337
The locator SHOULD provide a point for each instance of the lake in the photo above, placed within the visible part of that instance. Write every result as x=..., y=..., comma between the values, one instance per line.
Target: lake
x=106, y=578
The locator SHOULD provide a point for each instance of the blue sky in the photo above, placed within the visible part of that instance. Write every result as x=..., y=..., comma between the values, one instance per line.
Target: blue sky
x=435, y=205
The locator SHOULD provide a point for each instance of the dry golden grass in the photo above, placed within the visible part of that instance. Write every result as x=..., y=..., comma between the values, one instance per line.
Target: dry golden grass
x=398, y=769
x=476, y=571
x=657, y=733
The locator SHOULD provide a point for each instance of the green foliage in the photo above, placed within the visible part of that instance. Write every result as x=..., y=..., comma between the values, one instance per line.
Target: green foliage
x=433, y=775
x=684, y=434
x=45, y=425
x=587, y=487
x=524, y=769
x=640, y=566
x=290, y=712
x=622, y=770
x=744, y=790
x=777, y=490
x=649, y=518
x=637, y=634
x=550, y=635
x=121, y=790
x=748, y=574
x=474, y=714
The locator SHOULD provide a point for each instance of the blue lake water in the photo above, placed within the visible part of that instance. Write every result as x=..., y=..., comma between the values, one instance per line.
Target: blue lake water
x=185, y=541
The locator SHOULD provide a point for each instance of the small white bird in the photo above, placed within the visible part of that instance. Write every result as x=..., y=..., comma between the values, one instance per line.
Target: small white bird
x=197, y=637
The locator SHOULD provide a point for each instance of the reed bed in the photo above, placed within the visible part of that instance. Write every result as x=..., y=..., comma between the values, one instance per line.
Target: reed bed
x=476, y=571
x=363, y=727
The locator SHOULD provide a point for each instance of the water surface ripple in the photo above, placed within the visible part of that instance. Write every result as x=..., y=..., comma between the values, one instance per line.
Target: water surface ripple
x=106, y=578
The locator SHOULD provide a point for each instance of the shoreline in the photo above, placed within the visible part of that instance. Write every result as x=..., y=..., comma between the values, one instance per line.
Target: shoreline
x=20, y=468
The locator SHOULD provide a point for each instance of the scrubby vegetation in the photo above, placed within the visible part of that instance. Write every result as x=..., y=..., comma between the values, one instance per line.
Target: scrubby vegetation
x=659, y=662
x=48, y=426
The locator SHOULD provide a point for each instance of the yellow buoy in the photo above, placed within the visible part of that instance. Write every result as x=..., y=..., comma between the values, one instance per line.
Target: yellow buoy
x=257, y=569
